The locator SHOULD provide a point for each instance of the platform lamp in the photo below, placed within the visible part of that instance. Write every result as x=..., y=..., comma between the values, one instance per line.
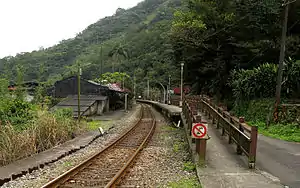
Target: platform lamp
x=181, y=87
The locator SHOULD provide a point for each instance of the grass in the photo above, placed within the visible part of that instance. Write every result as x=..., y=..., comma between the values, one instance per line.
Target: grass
x=256, y=112
x=150, y=18
x=46, y=131
x=168, y=128
x=185, y=183
x=94, y=125
x=189, y=166
x=287, y=132
x=178, y=146
x=67, y=164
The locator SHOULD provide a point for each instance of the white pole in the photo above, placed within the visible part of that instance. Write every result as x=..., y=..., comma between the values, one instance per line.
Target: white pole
x=164, y=92
x=126, y=102
x=181, y=88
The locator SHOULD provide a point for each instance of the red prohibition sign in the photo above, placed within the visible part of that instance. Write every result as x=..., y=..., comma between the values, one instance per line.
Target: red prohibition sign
x=197, y=129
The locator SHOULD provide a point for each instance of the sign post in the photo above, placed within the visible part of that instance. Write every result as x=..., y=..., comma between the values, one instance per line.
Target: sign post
x=199, y=132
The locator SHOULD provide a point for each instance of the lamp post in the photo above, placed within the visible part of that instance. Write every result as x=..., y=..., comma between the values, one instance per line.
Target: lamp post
x=164, y=89
x=181, y=87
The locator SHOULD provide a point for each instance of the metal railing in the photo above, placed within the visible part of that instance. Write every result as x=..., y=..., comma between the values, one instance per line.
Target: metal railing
x=243, y=135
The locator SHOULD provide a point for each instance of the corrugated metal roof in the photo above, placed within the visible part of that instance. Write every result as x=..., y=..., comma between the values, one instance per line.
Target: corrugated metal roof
x=85, y=102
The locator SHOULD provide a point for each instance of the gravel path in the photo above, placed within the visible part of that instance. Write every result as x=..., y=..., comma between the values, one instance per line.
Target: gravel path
x=165, y=162
x=40, y=177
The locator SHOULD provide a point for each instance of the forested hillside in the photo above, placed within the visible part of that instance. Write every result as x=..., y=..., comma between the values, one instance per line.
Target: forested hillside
x=133, y=40
x=215, y=39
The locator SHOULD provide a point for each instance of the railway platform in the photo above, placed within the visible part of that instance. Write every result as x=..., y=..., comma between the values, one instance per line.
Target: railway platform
x=171, y=111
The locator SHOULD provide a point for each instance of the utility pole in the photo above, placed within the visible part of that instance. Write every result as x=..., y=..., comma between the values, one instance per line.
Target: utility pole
x=169, y=95
x=148, y=90
x=101, y=62
x=126, y=102
x=282, y=54
x=134, y=92
x=78, y=88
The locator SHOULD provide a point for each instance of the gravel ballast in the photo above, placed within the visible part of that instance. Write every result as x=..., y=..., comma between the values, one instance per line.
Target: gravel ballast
x=41, y=176
x=165, y=162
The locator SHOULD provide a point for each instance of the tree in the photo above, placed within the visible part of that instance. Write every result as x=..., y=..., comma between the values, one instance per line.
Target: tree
x=117, y=53
x=116, y=77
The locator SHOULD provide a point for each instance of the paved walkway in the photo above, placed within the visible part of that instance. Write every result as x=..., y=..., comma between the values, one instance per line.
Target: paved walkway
x=172, y=109
x=225, y=169
x=23, y=166
x=109, y=116
x=39, y=160
x=280, y=158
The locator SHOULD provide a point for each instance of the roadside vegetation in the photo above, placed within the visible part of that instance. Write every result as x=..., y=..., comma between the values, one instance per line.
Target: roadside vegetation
x=27, y=128
x=95, y=124
x=257, y=112
x=185, y=183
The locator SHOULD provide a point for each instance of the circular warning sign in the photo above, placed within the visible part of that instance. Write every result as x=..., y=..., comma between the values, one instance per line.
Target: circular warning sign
x=199, y=130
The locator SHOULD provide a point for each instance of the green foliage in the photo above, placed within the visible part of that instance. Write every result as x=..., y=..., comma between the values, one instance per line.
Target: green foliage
x=130, y=39
x=43, y=132
x=215, y=37
x=254, y=83
x=188, y=20
x=256, y=112
x=17, y=112
x=115, y=77
x=288, y=132
x=185, y=183
x=260, y=82
x=189, y=166
x=94, y=125
x=178, y=146
x=67, y=164
x=63, y=113
x=3, y=88
x=168, y=128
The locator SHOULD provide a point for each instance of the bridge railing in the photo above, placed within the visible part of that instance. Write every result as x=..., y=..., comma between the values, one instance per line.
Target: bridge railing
x=243, y=135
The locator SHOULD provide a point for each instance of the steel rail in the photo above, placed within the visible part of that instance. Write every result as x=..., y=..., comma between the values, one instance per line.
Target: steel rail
x=67, y=175
x=120, y=173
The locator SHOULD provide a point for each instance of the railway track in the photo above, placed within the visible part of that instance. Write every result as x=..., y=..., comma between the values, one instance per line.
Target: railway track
x=106, y=168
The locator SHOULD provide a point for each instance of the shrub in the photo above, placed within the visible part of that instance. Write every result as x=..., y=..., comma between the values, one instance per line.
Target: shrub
x=15, y=145
x=254, y=83
x=260, y=82
x=43, y=132
x=17, y=112
x=50, y=130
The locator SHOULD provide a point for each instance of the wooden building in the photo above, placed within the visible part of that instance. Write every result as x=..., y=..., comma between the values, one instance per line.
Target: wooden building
x=69, y=86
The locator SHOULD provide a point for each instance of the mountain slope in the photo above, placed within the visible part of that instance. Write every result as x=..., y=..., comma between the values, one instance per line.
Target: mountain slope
x=141, y=30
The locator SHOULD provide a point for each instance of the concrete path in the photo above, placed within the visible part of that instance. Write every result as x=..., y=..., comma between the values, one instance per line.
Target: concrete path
x=27, y=165
x=225, y=169
x=109, y=116
x=281, y=159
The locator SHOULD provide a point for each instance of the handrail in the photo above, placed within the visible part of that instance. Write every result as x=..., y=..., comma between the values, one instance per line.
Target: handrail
x=232, y=126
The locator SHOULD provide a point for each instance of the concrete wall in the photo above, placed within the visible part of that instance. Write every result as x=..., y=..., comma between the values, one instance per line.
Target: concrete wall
x=98, y=108
x=92, y=110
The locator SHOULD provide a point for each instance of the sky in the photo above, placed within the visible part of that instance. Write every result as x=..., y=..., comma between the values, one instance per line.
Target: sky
x=26, y=25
